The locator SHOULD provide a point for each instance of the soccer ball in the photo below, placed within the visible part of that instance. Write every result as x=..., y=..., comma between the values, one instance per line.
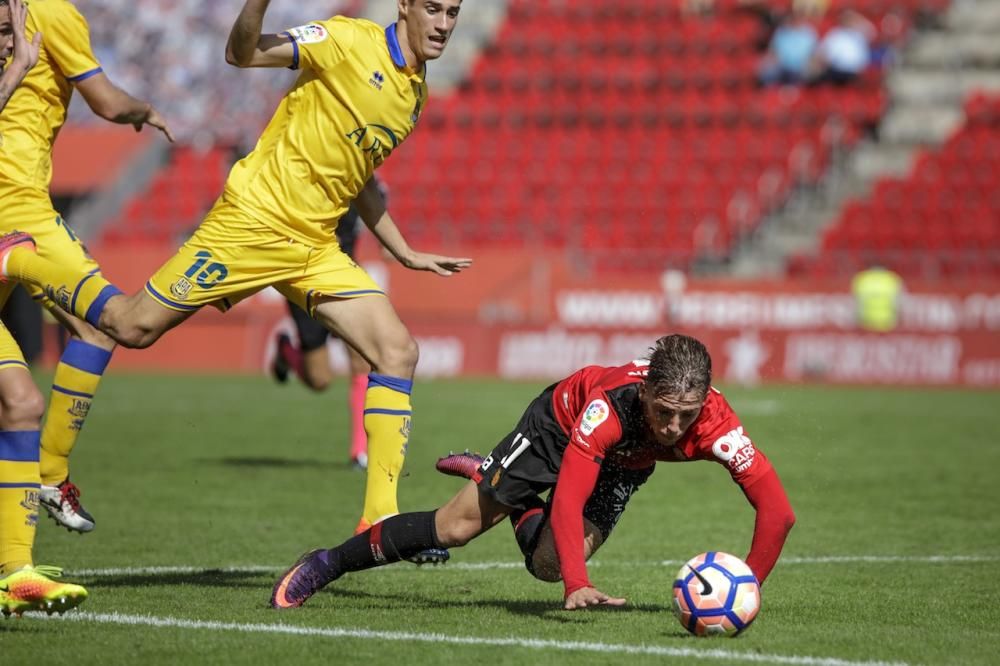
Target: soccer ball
x=716, y=594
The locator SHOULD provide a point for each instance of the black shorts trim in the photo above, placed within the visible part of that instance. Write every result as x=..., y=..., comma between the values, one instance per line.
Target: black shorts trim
x=312, y=334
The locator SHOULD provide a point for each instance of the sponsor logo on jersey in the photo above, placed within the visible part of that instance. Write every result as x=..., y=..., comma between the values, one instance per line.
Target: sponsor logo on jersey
x=596, y=414
x=378, y=78
x=180, y=289
x=376, y=141
x=735, y=449
x=311, y=33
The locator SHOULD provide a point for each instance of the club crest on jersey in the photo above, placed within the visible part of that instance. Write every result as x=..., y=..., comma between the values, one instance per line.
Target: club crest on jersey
x=180, y=289
x=311, y=33
x=378, y=78
x=735, y=449
x=596, y=414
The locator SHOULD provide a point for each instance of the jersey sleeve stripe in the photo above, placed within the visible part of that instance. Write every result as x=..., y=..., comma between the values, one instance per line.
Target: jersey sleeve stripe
x=85, y=75
x=295, y=50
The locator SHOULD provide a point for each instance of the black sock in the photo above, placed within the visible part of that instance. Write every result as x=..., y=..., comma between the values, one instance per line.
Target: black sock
x=391, y=540
x=527, y=528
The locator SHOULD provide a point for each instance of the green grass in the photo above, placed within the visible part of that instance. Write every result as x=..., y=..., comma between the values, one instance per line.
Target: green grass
x=213, y=472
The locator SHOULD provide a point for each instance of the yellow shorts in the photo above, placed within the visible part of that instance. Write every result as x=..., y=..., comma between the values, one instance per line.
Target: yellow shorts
x=232, y=256
x=29, y=210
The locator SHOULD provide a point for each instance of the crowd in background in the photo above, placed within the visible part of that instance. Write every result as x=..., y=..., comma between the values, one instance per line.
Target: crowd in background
x=172, y=53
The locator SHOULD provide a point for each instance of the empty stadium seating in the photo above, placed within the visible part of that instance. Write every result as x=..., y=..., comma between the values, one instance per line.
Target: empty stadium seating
x=940, y=221
x=172, y=205
x=622, y=130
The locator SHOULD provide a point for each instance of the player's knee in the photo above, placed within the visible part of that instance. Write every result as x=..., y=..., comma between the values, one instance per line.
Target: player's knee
x=543, y=564
x=400, y=359
x=138, y=337
x=21, y=407
x=94, y=337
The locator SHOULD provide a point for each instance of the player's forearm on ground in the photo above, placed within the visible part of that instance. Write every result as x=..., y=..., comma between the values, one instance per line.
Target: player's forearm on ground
x=775, y=519
x=577, y=478
x=245, y=35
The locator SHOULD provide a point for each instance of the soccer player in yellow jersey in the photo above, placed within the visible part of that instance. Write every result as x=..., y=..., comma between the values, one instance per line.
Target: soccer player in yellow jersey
x=28, y=129
x=360, y=94
x=22, y=586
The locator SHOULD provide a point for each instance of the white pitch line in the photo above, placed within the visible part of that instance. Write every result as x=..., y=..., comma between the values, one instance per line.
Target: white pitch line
x=482, y=566
x=406, y=636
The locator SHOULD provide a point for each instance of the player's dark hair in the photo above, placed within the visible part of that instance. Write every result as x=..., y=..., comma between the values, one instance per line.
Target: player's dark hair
x=678, y=365
x=4, y=3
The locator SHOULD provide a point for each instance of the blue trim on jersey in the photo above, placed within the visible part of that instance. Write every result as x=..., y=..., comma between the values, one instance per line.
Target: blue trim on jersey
x=85, y=356
x=85, y=75
x=390, y=412
x=395, y=383
x=36, y=486
x=93, y=315
x=395, y=50
x=20, y=445
x=166, y=301
x=295, y=50
x=20, y=364
x=360, y=292
x=71, y=392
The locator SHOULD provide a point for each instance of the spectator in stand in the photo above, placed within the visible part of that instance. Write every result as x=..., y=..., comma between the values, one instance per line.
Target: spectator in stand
x=844, y=53
x=697, y=7
x=790, y=52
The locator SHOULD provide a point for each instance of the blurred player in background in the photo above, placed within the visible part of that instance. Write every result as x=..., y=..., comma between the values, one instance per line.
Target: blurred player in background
x=592, y=439
x=29, y=127
x=310, y=360
x=23, y=586
x=360, y=94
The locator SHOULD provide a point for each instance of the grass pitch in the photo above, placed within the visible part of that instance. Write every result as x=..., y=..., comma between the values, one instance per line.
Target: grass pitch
x=204, y=488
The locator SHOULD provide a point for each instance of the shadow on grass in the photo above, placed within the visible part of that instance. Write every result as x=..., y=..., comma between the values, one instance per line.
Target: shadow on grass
x=277, y=463
x=207, y=578
x=549, y=609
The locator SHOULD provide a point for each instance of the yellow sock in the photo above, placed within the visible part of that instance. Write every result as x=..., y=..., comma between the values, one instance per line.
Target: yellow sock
x=77, y=376
x=19, y=484
x=387, y=424
x=81, y=294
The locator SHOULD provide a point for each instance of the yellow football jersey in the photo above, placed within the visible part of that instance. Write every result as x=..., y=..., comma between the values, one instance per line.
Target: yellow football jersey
x=354, y=103
x=37, y=110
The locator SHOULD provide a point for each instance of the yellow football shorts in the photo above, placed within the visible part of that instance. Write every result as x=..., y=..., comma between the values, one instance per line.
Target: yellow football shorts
x=29, y=210
x=232, y=256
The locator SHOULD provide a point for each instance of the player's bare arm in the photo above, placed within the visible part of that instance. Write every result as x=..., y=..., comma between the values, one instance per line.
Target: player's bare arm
x=371, y=206
x=248, y=48
x=13, y=44
x=115, y=105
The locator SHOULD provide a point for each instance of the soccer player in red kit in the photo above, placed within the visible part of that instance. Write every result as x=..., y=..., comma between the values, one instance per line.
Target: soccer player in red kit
x=594, y=438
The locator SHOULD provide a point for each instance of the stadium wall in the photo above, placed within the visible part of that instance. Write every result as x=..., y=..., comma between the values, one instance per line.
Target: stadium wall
x=521, y=316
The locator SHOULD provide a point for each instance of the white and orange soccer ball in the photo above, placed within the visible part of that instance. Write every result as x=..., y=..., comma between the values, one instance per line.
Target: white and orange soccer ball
x=716, y=594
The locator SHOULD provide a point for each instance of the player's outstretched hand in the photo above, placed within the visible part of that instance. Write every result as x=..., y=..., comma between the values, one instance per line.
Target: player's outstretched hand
x=589, y=596
x=433, y=262
x=154, y=119
x=25, y=53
